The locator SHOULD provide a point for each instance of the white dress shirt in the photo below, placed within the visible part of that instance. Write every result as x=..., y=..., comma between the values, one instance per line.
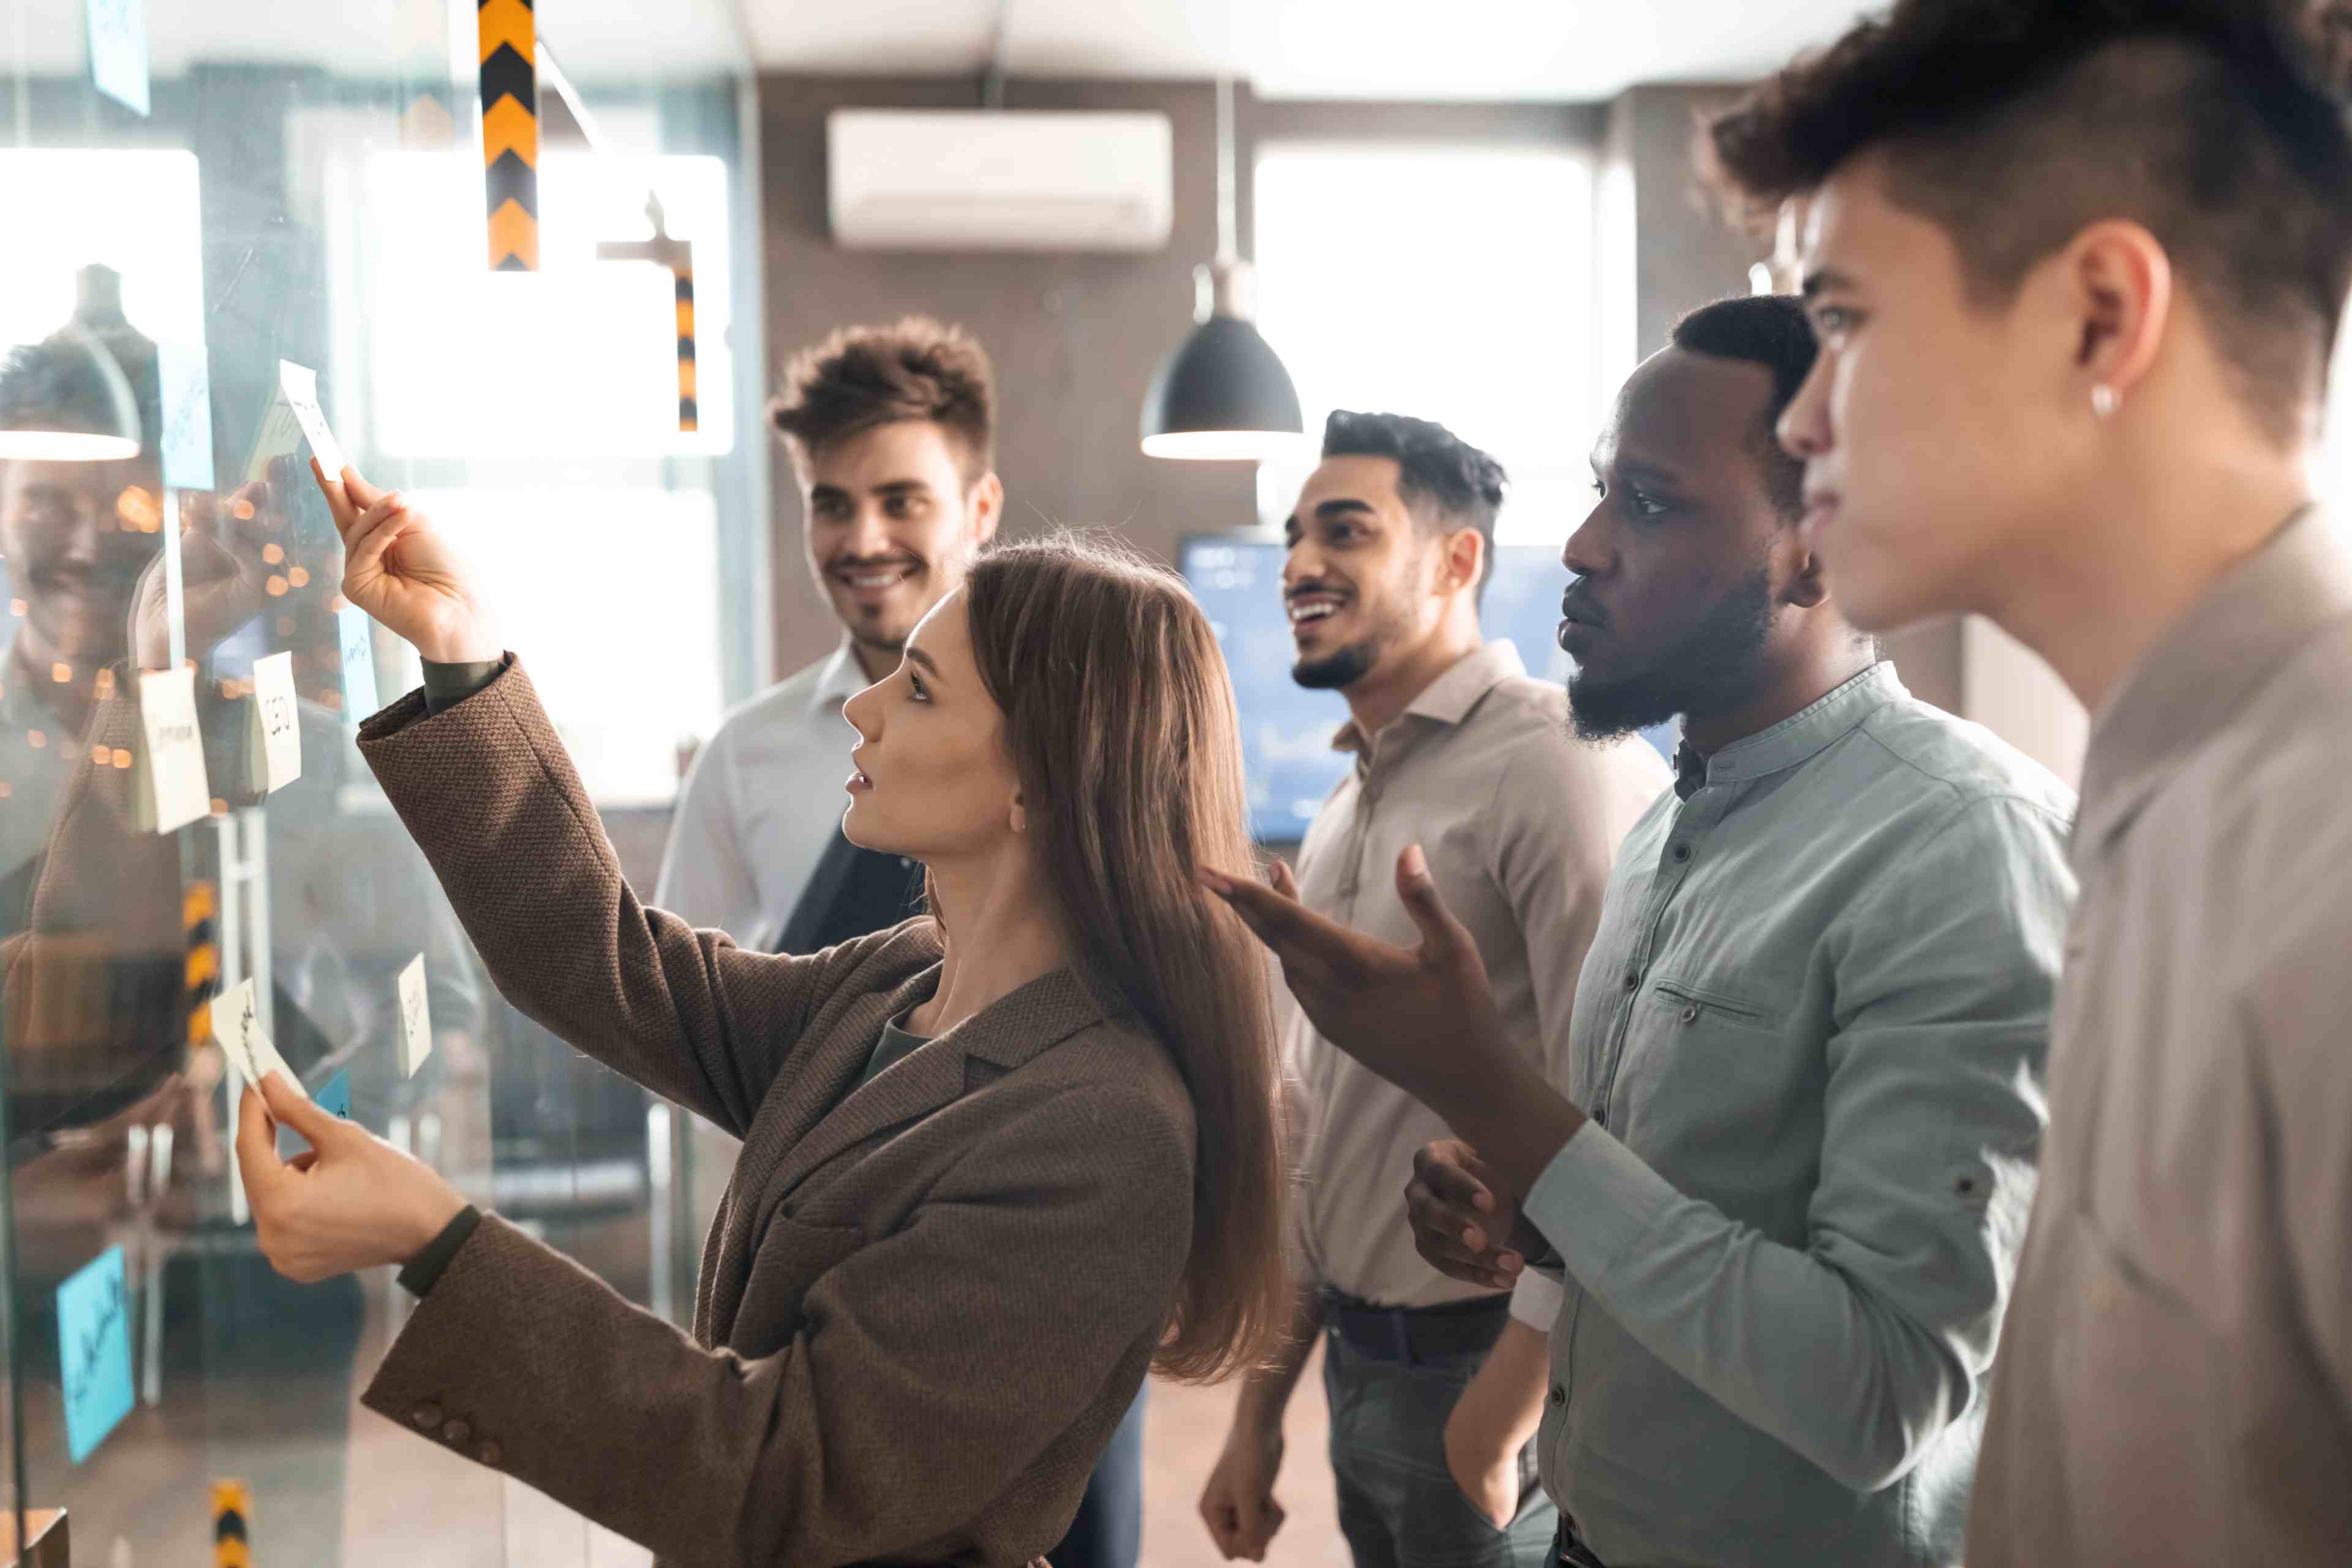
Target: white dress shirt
x=760, y=805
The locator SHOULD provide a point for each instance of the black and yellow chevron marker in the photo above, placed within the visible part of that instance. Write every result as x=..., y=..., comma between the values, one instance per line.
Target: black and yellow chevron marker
x=199, y=911
x=232, y=1512
x=665, y=250
x=687, y=416
x=510, y=132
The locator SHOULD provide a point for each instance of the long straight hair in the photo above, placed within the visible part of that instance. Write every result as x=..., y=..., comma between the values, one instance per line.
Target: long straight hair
x=1119, y=717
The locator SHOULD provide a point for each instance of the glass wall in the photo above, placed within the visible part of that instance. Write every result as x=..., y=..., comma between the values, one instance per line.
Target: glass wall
x=211, y=210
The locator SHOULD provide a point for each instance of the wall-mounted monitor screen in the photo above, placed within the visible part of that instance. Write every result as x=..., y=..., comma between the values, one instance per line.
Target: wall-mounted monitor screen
x=1286, y=729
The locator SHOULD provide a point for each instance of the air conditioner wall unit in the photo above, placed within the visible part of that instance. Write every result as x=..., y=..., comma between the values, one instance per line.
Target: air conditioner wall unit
x=1041, y=180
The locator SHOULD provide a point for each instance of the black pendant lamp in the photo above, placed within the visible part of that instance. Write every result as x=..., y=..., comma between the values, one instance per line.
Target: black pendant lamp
x=1222, y=393
x=85, y=415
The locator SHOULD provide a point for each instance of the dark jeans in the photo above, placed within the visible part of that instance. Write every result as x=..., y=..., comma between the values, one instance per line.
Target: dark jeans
x=1399, y=1506
x=1108, y=1530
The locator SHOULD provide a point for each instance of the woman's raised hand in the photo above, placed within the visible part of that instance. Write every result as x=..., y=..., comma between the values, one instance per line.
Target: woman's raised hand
x=401, y=571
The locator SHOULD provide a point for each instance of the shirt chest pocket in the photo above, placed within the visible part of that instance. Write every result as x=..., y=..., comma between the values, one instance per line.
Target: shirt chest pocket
x=791, y=1258
x=1700, y=1061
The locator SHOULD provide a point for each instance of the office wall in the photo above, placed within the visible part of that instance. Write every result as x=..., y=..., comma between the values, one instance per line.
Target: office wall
x=1075, y=338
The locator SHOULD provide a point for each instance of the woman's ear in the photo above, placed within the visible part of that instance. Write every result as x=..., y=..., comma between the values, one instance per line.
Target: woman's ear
x=1020, y=813
x=1809, y=583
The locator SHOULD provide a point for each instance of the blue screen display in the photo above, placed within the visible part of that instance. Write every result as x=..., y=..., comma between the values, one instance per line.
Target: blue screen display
x=1286, y=729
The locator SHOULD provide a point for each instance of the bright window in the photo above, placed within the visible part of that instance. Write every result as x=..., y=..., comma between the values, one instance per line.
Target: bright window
x=1453, y=285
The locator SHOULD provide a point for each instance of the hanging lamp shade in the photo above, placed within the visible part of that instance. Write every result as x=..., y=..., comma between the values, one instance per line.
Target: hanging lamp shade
x=77, y=409
x=1222, y=394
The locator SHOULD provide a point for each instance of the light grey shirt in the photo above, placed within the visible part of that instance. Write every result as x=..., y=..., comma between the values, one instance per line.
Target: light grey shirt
x=1811, y=1036
x=1520, y=825
x=2176, y=1378
x=760, y=805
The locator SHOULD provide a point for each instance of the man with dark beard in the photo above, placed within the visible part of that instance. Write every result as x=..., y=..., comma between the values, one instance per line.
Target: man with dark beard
x=1784, y=1176
x=1436, y=1385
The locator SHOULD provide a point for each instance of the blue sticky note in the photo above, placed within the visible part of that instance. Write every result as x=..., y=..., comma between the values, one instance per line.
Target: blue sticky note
x=357, y=635
x=118, y=51
x=94, y=1351
x=334, y=1096
x=187, y=434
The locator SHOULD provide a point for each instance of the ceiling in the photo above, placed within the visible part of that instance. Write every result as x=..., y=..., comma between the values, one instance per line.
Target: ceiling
x=1557, y=50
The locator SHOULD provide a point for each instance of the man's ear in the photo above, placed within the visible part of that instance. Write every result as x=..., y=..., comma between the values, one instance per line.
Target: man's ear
x=986, y=507
x=1464, y=558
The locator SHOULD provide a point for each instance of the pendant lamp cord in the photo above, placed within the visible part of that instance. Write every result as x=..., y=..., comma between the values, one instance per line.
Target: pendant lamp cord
x=1228, y=248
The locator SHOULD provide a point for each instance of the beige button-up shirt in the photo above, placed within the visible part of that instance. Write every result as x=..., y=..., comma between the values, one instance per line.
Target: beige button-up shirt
x=2175, y=1380
x=1520, y=825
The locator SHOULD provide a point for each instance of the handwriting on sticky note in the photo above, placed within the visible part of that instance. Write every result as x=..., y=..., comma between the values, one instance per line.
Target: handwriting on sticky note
x=170, y=785
x=416, y=1018
x=274, y=737
x=236, y=1024
x=187, y=379
x=357, y=635
x=301, y=384
x=94, y=1351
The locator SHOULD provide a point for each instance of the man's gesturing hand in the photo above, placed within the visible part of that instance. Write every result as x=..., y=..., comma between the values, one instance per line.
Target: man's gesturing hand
x=1414, y=1015
x=1463, y=1221
x=404, y=574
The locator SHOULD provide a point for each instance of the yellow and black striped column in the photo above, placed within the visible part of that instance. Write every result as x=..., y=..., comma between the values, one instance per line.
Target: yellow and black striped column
x=510, y=132
x=199, y=911
x=687, y=417
x=232, y=1513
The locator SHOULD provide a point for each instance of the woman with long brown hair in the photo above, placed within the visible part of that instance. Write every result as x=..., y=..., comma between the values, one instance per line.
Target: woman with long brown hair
x=997, y=1161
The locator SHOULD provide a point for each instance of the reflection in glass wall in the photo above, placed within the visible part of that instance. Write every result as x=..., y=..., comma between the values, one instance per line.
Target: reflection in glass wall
x=212, y=211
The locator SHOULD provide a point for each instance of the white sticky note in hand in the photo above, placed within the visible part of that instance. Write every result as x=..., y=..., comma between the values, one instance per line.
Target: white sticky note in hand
x=273, y=732
x=168, y=781
x=416, y=1018
x=301, y=384
x=237, y=1025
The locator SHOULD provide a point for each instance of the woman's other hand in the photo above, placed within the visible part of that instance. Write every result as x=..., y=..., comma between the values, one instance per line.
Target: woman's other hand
x=350, y=1200
x=404, y=573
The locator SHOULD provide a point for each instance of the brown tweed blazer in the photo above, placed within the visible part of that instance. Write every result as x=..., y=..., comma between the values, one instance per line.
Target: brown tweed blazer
x=923, y=1308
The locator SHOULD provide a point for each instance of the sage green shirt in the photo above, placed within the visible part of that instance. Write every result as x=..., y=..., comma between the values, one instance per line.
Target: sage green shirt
x=1811, y=1037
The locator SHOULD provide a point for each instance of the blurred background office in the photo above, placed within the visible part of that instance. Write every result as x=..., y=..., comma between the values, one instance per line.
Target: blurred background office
x=546, y=263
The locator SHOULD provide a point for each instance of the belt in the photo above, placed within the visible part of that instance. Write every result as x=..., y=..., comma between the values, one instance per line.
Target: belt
x=1568, y=1548
x=1416, y=1334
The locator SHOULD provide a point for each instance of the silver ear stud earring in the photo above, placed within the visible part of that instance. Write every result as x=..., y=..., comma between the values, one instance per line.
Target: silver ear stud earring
x=2103, y=401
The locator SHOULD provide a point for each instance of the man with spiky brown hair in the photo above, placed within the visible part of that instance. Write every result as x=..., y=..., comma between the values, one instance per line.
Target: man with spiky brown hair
x=2077, y=269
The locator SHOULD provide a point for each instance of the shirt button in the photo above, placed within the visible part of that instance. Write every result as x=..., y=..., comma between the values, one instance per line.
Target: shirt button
x=1690, y=1014
x=1559, y=1395
x=427, y=1416
x=456, y=1432
x=489, y=1452
x=1682, y=852
x=1633, y=980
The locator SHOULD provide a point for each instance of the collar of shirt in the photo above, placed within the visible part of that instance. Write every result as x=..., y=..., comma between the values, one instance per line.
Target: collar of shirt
x=2199, y=674
x=1799, y=738
x=1448, y=700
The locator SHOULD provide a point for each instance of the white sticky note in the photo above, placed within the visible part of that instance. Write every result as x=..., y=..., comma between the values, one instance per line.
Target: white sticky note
x=237, y=1025
x=356, y=633
x=168, y=782
x=301, y=384
x=416, y=1018
x=118, y=51
x=187, y=416
x=273, y=745
x=280, y=436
